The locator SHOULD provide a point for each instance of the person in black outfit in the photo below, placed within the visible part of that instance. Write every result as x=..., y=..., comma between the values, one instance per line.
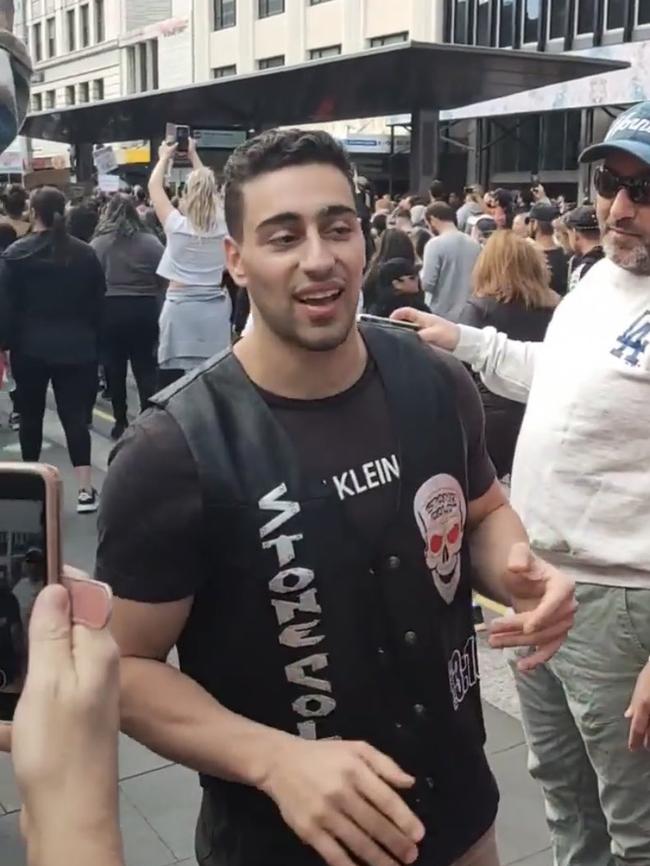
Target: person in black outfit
x=584, y=237
x=51, y=296
x=394, y=244
x=297, y=515
x=130, y=256
x=398, y=286
x=542, y=216
x=511, y=294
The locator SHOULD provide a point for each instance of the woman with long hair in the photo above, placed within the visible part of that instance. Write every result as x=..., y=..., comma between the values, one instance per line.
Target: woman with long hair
x=195, y=319
x=130, y=256
x=51, y=297
x=394, y=244
x=512, y=294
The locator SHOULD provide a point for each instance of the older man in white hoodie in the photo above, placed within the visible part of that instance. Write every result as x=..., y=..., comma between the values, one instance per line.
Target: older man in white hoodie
x=581, y=483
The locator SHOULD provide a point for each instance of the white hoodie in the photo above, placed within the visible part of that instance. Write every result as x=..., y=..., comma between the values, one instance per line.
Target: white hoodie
x=581, y=476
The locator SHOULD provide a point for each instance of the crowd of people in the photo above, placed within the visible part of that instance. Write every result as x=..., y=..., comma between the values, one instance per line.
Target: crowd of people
x=138, y=279
x=143, y=281
x=307, y=514
x=502, y=259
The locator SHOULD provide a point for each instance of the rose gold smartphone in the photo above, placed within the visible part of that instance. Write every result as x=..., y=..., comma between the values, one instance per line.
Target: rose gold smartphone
x=30, y=557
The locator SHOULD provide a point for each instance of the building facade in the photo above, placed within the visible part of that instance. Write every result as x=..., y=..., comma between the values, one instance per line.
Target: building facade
x=541, y=132
x=246, y=35
x=89, y=50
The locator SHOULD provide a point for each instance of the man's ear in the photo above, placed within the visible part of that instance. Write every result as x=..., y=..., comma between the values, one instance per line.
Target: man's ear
x=234, y=263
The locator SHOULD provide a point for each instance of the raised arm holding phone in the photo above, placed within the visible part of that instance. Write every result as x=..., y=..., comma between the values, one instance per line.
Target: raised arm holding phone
x=195, y=319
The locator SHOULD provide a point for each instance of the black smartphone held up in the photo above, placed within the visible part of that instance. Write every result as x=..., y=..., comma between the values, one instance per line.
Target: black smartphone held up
x=378, y=320
x=30, y=557
x=182, y=139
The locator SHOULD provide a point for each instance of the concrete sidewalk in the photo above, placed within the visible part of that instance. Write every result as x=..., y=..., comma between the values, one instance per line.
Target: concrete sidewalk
x=160, y=801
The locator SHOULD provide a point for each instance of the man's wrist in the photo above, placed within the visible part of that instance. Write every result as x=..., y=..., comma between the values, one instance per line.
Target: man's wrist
x=468, y=347
x=269, y=755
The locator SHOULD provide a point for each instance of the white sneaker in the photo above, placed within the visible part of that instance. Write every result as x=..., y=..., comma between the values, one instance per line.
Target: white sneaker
x=88, y=501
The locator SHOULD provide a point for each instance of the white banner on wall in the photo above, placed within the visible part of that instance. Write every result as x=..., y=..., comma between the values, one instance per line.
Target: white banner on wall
x=623, y=87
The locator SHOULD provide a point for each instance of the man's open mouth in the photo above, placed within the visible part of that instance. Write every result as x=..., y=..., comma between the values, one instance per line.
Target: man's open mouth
x=320, y=299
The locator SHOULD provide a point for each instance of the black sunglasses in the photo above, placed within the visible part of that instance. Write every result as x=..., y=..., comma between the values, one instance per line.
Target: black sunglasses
x=608, y=184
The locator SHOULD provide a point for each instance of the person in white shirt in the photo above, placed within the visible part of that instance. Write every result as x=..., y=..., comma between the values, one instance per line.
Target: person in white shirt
x=581, y=484
x=195, y=318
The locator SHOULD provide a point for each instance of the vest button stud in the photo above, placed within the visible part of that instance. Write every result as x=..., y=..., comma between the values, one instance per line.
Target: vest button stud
x=430, y=783
x=393, y=563
x=420, y=710
x=410, y=638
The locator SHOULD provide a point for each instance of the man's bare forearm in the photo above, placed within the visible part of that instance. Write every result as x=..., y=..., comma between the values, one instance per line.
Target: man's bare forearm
x=175, y=717
x=490, y=545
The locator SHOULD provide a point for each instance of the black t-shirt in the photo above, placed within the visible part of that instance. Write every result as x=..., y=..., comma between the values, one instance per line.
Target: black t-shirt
x=559, y=267
x=151, y=547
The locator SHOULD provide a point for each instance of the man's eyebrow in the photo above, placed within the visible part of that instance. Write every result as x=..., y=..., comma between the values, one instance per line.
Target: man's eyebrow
x=335, y=210
x=279, y=219
x=329, y=212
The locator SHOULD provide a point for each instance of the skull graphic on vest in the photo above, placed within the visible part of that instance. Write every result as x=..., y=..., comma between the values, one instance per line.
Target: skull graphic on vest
x=440, y=511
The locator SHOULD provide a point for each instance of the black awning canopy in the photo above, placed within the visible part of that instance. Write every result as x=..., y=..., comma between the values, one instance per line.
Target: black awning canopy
x=397, y=79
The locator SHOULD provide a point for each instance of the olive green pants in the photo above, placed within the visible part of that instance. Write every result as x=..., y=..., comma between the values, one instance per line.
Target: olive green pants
x=597, y=792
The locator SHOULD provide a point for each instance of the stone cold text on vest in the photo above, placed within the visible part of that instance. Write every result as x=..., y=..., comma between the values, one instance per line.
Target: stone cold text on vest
x=293, y=595
x=371, y=475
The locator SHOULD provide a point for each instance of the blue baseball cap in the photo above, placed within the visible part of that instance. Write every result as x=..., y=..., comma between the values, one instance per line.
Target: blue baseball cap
x=630, y=133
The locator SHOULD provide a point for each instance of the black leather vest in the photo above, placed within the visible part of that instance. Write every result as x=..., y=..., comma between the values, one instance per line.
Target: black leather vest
x=301, y=627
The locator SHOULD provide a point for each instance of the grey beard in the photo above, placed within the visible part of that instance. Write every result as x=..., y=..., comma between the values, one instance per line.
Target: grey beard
x=636, y=259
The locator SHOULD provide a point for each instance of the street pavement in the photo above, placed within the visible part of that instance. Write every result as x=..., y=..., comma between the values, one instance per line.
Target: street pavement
x=159, y=801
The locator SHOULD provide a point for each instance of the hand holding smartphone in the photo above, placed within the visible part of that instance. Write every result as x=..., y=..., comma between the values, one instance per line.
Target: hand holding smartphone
x=30, y=557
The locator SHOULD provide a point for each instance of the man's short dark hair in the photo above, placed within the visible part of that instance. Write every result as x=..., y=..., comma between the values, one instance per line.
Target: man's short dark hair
x=437, y=189
x=440, y=210
x=271, y=151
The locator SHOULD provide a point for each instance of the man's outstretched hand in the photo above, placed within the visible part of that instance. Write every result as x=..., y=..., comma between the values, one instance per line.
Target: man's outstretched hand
x=544, y=605
x=343, y=799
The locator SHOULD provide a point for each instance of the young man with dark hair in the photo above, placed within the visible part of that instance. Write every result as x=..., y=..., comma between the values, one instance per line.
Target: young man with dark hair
x=585, y=240
x=448, y=262
x=541, y=230
x=297, y=516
